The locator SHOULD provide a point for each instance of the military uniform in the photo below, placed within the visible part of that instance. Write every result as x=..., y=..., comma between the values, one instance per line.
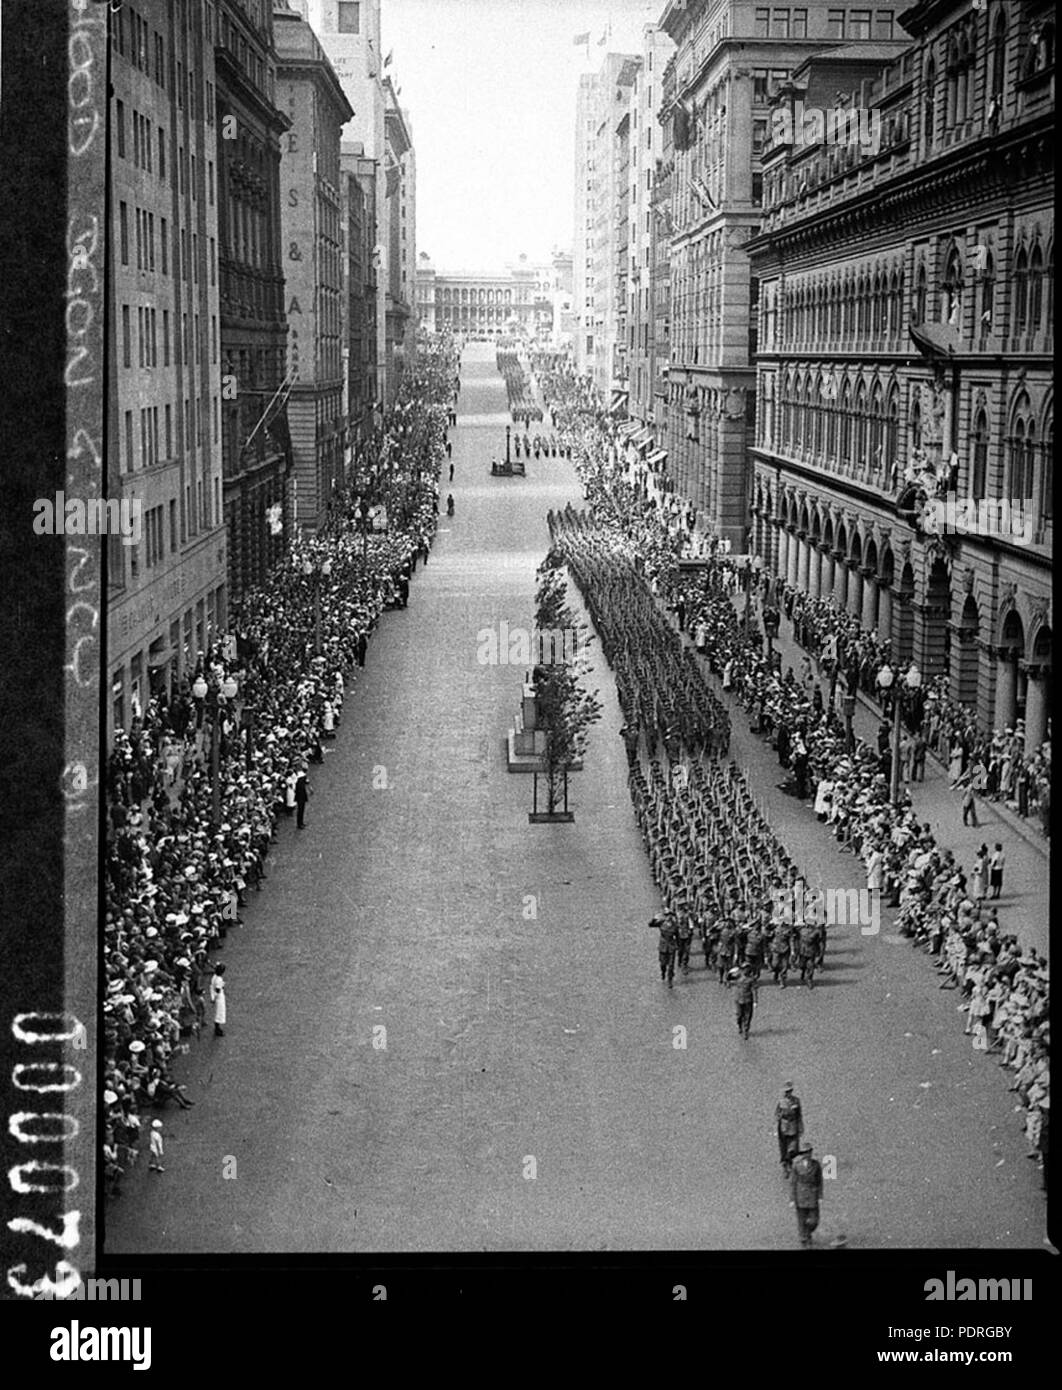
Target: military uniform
x=745, y=998
x=684, y=935
x=789, y=1119
x=806, y=1176
x=667, y=948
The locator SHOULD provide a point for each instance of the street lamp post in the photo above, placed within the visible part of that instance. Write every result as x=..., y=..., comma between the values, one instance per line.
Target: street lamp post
x=325, y=569
x=508, y=443
x=214, y=699
x=912, y=680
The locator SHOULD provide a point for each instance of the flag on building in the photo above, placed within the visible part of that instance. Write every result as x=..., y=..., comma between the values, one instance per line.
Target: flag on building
x=581, y=39
x=387, y=60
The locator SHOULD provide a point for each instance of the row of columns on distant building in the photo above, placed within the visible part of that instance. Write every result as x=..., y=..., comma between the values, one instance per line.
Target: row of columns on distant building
x=817, y=569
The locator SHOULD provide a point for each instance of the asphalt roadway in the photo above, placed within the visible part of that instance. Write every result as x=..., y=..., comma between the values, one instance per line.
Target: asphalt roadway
x=530, y=1092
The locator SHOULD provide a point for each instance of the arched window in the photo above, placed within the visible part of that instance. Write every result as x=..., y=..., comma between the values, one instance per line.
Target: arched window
x=893, y=328
x=916, y=420
x=1047, y=466
x=929, y=96
x=1022, y=453
x=877, y=428
x=859, y=455
x=999, y=68
x=892, y=430
x=921, y=298
x=979, y=475
x=951, y=307
x=1036, y=289
x=988, y=297
x=819, y=421
x=831, y=424
x=1021, y=292
x=846, y=425
x=951, y=102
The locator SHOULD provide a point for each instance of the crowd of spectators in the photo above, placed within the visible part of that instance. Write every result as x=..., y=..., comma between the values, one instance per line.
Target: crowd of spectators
x=177, y=874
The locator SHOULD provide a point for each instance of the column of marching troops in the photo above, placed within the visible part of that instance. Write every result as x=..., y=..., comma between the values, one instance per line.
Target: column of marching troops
x=724, y=877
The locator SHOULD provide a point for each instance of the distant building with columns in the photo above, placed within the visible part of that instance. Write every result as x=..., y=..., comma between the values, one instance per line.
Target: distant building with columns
x=905, y=325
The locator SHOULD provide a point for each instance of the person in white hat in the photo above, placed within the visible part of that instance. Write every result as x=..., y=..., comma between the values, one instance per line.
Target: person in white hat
x=155, y=1166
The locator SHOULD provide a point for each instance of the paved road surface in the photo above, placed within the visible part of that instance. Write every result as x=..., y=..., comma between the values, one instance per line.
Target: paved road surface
x=531, y=1095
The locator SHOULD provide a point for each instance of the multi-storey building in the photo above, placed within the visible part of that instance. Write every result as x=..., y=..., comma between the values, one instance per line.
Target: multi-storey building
x=255, y=443
x=309, y=93
x=167, y=595
x=359, y=193
x=621, y=268
x=645, y=155
x=601, y=123
x=663, y=225
x=350, y=33
x=400, y=229
x=480, y=306
x=562, y=326
x=906, y=315
x=731, y=57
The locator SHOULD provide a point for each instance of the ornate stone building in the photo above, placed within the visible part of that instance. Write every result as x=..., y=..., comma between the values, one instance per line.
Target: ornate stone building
x=731, y=58
x=905, y=320
x=255, y=443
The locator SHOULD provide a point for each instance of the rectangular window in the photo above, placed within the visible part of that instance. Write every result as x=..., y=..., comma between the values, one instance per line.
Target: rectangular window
x=800, y=24
x=151, y=241
x=141, y=336
x=883, y=25
x=859, y=24
x=166, y=339
x=123, y=231
x=210, y=181
x=835, y=24
x=349, y=17
x=761, y=19
x=213, y=262
x=129, y=460
x=173, y=520
x=127, y=337
x=162, y=154
x=164, y=245
x=779, y=24
x=168, y=417
x=759, y=84
x=119, y=126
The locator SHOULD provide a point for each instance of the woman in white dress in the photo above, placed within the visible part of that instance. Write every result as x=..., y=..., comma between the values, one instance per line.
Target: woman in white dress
x=875, y=870
x=217, y=998
x=977, y=881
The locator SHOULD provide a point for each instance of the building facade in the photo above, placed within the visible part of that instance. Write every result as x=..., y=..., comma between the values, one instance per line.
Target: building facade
x=400, y=222
x=359, y=220
x=309, y=94
x=506, y=304
x=731, y=58
x=255, y=441
x=350, y=32
x=906, y=316
x=645, y=234
x=602, y=124
x=167, y=593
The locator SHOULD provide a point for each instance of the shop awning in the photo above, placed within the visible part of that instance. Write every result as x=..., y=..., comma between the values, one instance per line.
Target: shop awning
x=627, y=428
x=619, y=401
x=656, y=456
x=642, y=439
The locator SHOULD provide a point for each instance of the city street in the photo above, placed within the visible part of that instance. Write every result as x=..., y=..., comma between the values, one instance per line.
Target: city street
x=446, y=1027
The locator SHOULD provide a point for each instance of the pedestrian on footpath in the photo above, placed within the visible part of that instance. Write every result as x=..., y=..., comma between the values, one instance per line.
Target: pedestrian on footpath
x=969, y=806
x=995, y=870
x=789, y=1121
x=156, y=1147
x=302, y=795
x=451, y=472
x=806, y=1178
x=217, y=998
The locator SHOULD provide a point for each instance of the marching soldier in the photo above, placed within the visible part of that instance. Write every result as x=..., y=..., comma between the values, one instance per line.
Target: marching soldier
x=684, y=936
x=780, y=954
x=789, y=1120
x=746, y=992
x=667, y=947
x=754, y=951
x=806, y=1179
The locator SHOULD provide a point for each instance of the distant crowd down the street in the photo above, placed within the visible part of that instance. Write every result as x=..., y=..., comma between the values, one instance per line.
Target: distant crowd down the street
x=629, y=547
x=197, y=785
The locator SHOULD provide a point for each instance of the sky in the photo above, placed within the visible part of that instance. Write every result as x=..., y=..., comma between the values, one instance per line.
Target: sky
x=490, y=87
